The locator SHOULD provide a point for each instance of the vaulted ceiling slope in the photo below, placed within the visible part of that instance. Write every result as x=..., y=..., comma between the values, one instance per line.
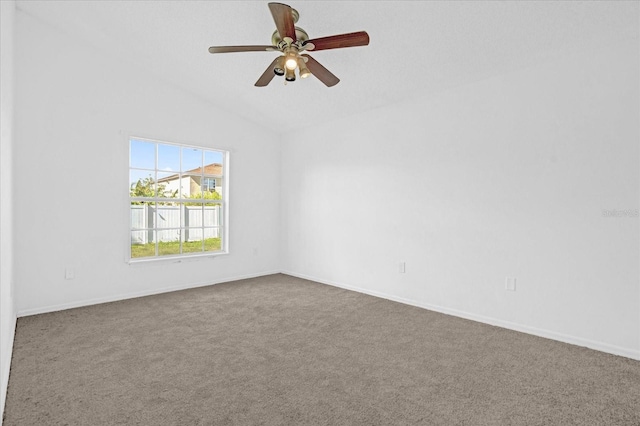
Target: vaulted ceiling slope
x=416, y=47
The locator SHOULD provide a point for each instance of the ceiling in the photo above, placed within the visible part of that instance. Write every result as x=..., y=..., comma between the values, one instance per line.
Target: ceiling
x=417, y=47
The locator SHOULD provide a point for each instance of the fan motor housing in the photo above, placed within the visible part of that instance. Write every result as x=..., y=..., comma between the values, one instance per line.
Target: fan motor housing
x=301, y=36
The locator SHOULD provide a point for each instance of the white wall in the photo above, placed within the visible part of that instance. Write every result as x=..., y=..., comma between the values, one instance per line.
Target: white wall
x=504, y=177
x=7, y=311
x=74, y=107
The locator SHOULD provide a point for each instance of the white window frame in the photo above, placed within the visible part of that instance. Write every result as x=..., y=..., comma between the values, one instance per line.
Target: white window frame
x=224, y=202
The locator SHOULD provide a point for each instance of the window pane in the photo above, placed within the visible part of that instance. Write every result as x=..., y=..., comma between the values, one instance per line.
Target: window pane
x=168, y=216
x=193, y=240
x=212, y=239
x=208, y=184
x=214, y=186
x=141, y=183
x=168, y=158
x=142, y=215
x=212, y=214
x=192, y=160
x=169, y=242
x=193, y=215
x=213, y=169
x=142, y=155
x=216, y=158
x=211, y=187
x=143, y=244
x=191, y=186
x=168, y=185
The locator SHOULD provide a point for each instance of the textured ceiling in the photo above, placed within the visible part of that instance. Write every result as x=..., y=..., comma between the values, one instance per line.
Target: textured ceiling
x=416, y=47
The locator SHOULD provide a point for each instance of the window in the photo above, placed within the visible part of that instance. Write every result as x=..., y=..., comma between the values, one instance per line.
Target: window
x=209, y=184
x=177, y=200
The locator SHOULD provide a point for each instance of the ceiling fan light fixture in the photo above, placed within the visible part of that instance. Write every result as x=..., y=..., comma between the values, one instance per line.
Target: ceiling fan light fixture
x=290, y=75
x=304, y=71
x=291, y=63
x=279, y=68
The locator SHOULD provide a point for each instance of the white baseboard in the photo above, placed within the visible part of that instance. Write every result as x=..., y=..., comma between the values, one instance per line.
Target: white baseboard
x=578, y=341
x=6, y=366
x=132, y=295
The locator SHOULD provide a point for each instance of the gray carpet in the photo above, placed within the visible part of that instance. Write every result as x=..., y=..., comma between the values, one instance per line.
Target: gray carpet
x=278, y=350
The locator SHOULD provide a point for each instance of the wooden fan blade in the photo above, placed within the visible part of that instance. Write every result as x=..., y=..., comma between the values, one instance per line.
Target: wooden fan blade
x=360, y=38
x=268, y=74
x=283, y=17
x=323, y=74
x=231, y=49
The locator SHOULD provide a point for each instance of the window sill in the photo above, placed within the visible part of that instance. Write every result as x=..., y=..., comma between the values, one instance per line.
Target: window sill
x=175, y=259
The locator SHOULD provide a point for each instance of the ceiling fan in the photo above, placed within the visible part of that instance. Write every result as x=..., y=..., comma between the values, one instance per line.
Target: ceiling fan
x=291, y=41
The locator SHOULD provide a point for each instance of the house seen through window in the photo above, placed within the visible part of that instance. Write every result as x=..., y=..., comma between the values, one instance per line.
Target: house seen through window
x=177, y=200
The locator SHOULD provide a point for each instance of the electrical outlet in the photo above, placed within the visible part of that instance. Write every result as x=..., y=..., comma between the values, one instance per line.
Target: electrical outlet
x=69, y=274
x=401, y=267
x=510, y=284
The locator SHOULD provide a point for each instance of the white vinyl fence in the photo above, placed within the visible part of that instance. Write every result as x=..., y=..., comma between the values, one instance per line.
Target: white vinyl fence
x=186, y=223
